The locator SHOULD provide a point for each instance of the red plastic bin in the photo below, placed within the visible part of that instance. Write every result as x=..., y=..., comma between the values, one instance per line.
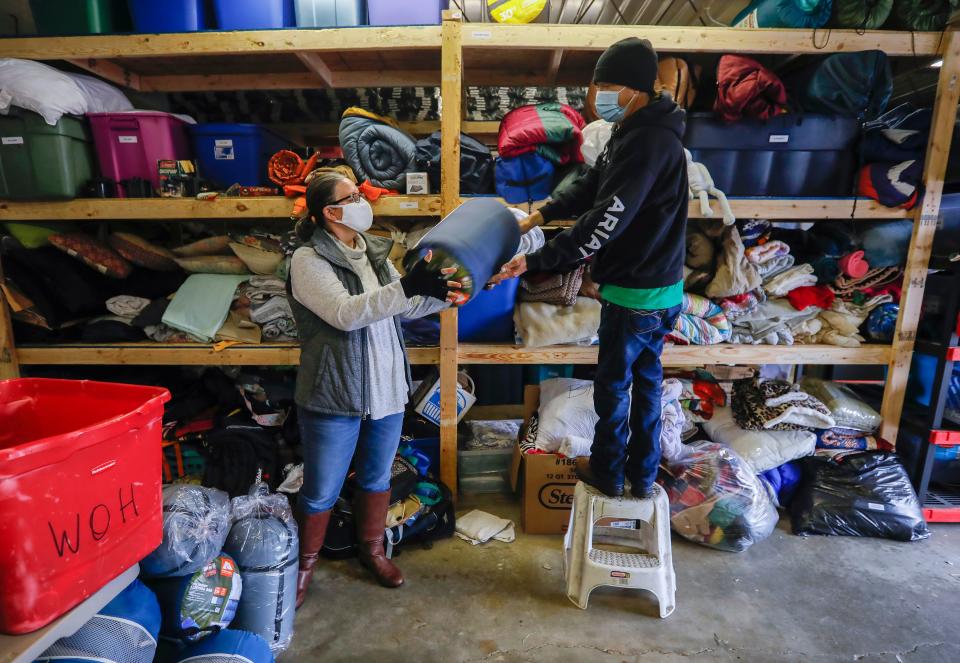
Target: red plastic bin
x=130, y=144
x=80, y=502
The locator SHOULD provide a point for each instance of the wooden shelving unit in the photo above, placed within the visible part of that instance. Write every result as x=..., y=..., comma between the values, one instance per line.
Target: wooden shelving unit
x=453, y=55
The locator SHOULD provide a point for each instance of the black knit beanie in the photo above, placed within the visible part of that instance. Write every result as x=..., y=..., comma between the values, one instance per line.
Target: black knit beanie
x=630, y=62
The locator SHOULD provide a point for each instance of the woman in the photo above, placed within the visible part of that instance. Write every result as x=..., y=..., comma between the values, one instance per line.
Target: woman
x=353, y=381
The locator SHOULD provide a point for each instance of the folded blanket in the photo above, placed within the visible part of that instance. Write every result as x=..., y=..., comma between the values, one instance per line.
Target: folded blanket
x=540, y=325
x=773, y=323
x=840, y=325
x=202, y=303
x=840, y=440
x=375, y=150
x=701, y=322
x=766, y=252
x=735, y=275
x=847, y=287
x=127, y=306
x=740, y=305
x=776, y=265
x=777, y=405
x=275, y=319
x=795, y=277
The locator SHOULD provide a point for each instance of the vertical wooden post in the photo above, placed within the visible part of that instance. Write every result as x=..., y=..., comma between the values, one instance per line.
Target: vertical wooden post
x=450, y=117
x=9, y=367
x=921, y=243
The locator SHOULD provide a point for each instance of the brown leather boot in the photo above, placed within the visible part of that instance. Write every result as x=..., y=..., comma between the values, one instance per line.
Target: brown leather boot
x=312, y=530
x=370, y=511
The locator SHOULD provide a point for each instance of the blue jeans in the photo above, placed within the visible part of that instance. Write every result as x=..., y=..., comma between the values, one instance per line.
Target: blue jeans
x=626, y=394
x=329, y=444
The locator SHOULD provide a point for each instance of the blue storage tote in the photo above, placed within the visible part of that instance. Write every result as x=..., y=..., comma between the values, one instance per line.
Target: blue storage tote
x=254, y=14
x=406, y=12
x=488, y=317
x=788, y=155
x=331, y=13
x=230, y=154
x=169, y=15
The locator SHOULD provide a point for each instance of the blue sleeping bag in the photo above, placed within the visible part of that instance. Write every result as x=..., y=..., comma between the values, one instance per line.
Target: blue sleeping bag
x=524, y=179
x=240, y=646
x=125, y=631
x=849, y=84
x=784, y=14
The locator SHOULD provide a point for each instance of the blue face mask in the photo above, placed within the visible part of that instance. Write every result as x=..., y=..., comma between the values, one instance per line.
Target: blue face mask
x=608, y=105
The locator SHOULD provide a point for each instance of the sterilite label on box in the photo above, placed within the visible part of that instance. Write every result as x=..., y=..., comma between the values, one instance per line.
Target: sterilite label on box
x=546, y=483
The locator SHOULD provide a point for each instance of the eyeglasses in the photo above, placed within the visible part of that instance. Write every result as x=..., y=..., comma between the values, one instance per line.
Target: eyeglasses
x=353, y=197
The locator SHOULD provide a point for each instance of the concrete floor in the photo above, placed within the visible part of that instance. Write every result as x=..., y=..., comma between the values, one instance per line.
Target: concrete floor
x=786, y=599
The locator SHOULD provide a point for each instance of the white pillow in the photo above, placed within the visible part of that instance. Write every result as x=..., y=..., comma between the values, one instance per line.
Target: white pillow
x=39, y=88
x=540, y=325
x=566, y=411
x=101, y=97
x=764, y=450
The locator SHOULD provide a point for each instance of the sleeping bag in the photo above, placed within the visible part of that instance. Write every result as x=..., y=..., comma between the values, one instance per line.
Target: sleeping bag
x=861, y=14
x=524, y=179
x=196, y=521
x=553, y=130
x=476, y=164
x=850, y=84
x=745, y=88
x=784, y=14
x=477, y=238
x=923, y=15
x=193, y=606
x=898, y=135
x=867, y=493
x=124, y=631
x=263, y=542
x=376, y=149
x=225, y=646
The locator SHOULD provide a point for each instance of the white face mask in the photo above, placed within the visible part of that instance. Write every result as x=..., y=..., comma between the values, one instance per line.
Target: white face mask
x=357, y=216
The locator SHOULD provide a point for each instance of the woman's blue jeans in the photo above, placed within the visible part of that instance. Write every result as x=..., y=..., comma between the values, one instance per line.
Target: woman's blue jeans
x=330, y=442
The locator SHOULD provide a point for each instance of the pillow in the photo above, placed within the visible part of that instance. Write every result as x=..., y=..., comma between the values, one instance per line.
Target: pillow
x=204, y=247
x=566, y=414
x=39, y=88
x=213, y=265
x=35, y=235
x=143, y=253
x=101, y=97
x=763, y=449
x=93, y=253
x=540, y=325
x=259, y=261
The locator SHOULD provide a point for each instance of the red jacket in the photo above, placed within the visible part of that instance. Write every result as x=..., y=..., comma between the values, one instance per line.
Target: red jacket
x=745, y=88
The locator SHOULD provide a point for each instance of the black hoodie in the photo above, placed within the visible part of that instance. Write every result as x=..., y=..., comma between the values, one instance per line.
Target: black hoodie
x=632, y=206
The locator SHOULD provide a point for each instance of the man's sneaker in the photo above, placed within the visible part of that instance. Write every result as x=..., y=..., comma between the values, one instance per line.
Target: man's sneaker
x=586, y=475
x=644, y=493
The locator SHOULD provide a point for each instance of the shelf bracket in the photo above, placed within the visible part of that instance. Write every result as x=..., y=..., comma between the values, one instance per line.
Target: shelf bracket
x=110, y=71
x=314, y=62
x=554, y=67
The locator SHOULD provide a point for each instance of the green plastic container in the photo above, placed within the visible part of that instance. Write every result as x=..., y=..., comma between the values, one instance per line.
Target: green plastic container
x=40, y=162
x=81, y=17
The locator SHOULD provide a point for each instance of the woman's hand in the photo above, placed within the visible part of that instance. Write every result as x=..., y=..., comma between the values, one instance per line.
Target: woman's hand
x=421, y=280
x=512, y=269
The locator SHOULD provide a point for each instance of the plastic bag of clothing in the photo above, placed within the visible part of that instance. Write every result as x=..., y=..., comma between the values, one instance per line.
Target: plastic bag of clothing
x=228, y=646
x=478, y=238
x=861, y=14
x=848, y=410
x=196, y=521
x=196, y=605
x=476, y=164
x=784, y=14
x=124, y=631
x=263, y=542
x=716, y=500
x=866, y=493
x=851, y=84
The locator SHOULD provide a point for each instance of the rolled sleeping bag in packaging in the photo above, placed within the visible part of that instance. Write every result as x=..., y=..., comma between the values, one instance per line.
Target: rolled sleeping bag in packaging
x=230, y=645
x=784, y=14
x=477, y=238
x=124, y=631
x=861, y=14
x=199, y=604
x=196, y=521
x=263, y=542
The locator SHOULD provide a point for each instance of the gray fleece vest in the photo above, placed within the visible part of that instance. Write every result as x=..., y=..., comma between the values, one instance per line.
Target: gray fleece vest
x=333, y=374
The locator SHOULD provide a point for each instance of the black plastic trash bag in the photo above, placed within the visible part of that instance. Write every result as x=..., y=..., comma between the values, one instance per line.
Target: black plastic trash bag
x=859, y=494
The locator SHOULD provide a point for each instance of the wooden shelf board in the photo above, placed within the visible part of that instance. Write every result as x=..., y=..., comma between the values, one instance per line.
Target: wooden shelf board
x=160, y=354
x=693, y=39
x=681, y=355
x=166, y=209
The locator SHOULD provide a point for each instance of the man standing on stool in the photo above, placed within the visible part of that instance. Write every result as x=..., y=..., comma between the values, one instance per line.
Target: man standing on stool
x=632, y=209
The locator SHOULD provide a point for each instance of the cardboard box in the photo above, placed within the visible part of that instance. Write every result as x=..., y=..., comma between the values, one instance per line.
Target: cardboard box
x=418, y=184
x=546, y=482
x=427, y=398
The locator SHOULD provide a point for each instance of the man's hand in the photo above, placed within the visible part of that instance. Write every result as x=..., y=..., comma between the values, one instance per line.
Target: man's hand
x=512, y=269
x=531, y=222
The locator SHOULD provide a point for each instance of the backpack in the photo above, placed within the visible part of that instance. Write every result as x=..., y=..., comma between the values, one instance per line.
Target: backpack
x=236, y=453
x=525, y=178
x=476, y=164
x=679, y=80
